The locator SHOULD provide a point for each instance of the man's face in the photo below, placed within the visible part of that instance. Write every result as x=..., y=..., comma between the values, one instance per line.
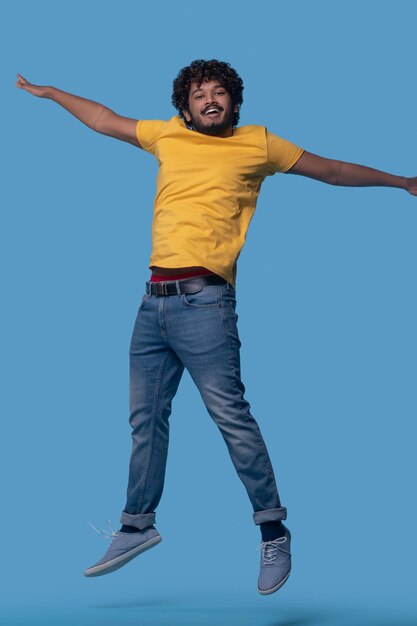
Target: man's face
x=210, y=109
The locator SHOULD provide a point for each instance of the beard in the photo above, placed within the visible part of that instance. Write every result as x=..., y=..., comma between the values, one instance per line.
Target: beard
x=214, y=128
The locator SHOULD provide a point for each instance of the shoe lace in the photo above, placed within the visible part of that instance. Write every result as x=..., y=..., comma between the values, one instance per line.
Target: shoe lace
x=269, y=550
x=110, y=533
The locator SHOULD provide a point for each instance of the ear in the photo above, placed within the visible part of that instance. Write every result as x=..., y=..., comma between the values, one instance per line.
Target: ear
x=236, y=108
x=187, y=115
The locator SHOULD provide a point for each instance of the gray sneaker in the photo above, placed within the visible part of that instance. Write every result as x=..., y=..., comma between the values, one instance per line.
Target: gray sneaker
x=123, y=548
x=275, y=564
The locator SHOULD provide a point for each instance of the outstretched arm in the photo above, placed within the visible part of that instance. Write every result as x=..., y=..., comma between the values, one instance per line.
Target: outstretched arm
x=94, y=115
x=348, y=174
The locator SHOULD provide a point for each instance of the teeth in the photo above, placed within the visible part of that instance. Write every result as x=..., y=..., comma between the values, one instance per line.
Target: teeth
x=212, y=111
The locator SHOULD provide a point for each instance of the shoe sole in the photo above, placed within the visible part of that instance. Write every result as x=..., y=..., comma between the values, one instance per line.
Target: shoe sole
x=115, y=564
x=267, y=592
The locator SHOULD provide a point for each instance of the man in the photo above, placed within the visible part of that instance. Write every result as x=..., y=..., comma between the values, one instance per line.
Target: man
x=210, y=174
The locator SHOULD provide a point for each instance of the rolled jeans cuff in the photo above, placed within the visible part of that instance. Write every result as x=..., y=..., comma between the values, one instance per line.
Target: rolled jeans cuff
x=270, y=515
x=140, y=521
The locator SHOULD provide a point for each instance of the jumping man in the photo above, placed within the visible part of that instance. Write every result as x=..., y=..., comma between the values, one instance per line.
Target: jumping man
x=209, y=178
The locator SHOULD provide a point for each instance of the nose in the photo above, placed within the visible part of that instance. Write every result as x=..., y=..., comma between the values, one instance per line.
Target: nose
x=210, y=101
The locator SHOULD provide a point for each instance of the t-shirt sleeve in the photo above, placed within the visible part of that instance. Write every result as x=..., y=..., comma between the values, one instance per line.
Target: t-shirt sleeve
x=148, y=133
x=282, y=154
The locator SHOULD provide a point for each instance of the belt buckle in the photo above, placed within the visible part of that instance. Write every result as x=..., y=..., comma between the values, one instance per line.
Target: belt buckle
x=162, y=289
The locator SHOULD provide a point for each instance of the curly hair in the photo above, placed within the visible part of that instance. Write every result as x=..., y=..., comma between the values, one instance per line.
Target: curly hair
x=200, y=71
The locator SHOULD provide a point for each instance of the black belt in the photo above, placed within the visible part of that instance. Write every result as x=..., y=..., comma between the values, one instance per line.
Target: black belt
x=186, y=285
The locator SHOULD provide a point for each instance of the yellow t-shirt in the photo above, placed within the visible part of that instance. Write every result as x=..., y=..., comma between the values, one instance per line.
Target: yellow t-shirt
x=207, y=188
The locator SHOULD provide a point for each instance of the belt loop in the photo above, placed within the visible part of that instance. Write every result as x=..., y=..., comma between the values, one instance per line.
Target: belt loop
x=177, y=284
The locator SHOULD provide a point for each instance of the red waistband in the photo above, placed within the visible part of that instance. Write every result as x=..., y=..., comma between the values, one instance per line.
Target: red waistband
x=159, y=279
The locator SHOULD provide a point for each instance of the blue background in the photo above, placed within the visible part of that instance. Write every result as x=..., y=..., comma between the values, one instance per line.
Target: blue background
x=327, y=304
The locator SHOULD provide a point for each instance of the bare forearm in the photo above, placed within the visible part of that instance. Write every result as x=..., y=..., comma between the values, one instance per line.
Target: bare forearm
x=91, y=113
x=346, y=174
x=352, y=175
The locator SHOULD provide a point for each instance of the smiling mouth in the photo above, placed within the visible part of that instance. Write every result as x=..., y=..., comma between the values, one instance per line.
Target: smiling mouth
x=212, y=111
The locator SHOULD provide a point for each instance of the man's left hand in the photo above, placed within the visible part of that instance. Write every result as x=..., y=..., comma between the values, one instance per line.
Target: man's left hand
x=411, y=186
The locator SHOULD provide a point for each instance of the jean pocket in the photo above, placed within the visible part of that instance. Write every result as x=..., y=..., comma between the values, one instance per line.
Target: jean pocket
x=144, y=300
x=206, y=298
x=229, y=303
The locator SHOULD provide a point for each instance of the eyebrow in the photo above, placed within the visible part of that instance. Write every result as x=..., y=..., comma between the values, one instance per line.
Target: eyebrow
x=200, y=89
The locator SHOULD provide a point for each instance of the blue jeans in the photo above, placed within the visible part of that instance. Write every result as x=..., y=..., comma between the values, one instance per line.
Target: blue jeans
x=197, y=331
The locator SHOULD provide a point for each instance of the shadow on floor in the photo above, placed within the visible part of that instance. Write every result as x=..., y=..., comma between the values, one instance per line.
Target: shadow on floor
x=174, y=613
x=185, y=612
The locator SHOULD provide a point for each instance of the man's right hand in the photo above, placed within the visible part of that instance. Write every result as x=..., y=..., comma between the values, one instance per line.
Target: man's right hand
x=35, y=90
